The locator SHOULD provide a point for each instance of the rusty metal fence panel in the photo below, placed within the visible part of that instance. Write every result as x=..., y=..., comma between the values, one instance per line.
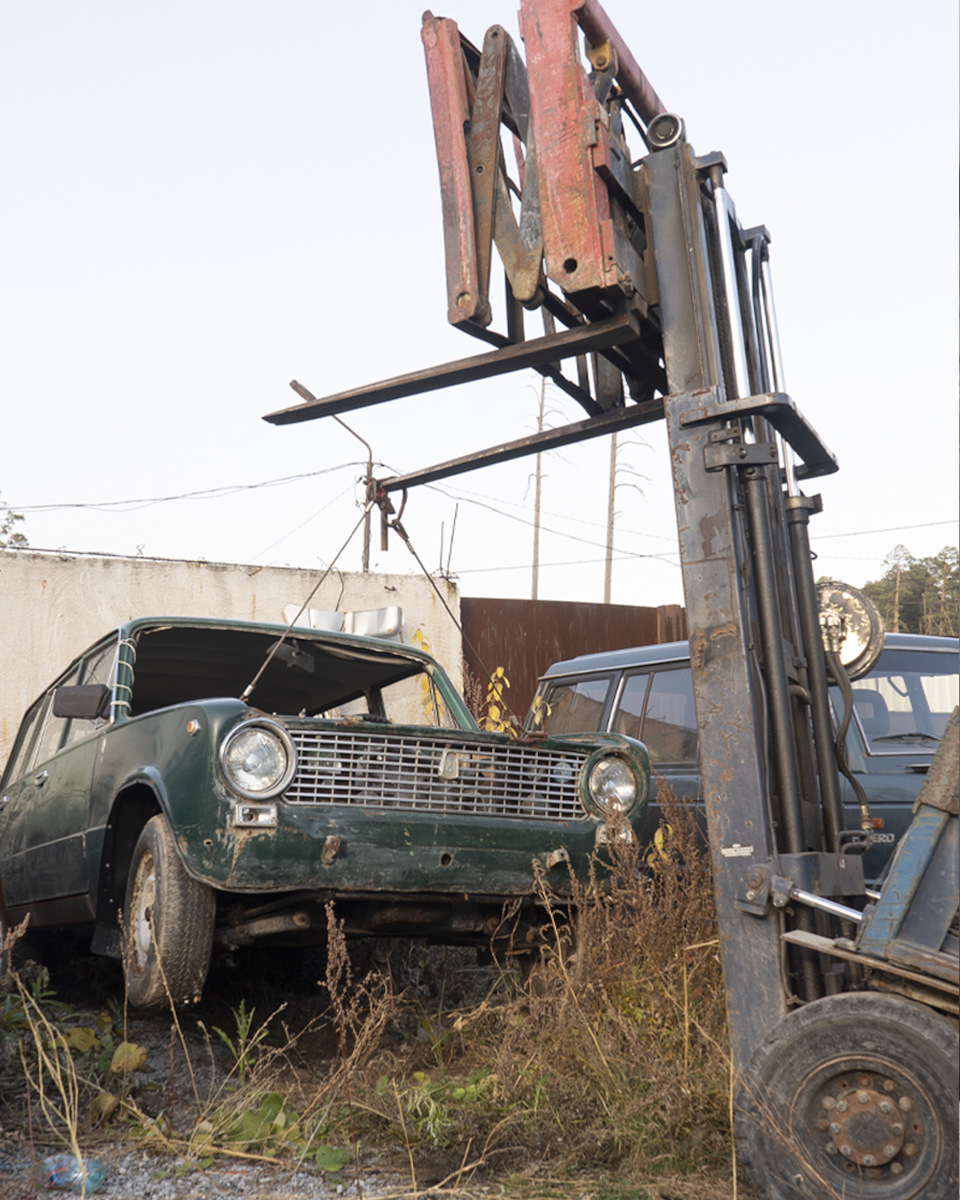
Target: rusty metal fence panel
x=526, y=636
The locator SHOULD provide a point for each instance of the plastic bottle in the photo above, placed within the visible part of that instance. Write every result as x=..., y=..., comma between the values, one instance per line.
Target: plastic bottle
x=65, y=1171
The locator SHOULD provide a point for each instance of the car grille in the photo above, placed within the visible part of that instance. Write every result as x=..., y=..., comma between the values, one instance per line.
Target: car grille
x=424, y=775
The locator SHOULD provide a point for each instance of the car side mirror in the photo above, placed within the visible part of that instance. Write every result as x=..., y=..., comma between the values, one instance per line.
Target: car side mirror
x=88, y=701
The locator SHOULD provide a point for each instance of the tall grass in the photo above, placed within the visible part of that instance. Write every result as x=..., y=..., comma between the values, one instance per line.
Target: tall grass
x=607, y=1056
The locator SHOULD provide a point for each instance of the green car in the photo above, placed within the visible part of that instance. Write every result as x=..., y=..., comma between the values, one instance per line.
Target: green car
x=190, y=783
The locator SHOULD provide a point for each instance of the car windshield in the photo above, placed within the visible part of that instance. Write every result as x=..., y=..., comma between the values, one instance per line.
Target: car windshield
x=307, y=677
x=904, y=704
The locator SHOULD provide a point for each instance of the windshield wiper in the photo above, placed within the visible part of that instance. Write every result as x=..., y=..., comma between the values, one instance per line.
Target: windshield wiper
x=916, y=736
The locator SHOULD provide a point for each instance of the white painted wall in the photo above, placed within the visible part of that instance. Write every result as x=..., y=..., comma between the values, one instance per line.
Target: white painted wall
x=52, y=606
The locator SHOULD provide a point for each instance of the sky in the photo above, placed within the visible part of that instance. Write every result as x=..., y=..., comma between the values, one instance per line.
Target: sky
x=206, y=200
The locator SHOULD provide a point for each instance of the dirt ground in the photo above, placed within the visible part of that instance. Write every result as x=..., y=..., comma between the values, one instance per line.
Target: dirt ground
x=191, y=1063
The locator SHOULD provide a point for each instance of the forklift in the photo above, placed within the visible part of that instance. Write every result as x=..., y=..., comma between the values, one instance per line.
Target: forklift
x=655, y=303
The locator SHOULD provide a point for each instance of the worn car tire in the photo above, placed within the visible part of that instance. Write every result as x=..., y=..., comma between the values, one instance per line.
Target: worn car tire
x=855, y=1096
x=168, y=924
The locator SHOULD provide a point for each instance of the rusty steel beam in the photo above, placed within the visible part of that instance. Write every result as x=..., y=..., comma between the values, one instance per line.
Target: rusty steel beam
x=451, y=115
x=550, y=439
x=597, y=29
x=564, y=114
x=538, y=352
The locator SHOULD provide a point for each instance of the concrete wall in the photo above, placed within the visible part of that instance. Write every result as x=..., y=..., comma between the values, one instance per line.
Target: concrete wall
x=52, y=606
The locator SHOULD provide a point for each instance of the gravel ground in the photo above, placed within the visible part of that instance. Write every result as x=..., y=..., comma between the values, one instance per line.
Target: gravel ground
x=140, y=1176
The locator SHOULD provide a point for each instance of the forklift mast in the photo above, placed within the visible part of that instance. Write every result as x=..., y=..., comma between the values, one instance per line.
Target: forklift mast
x=649, y=287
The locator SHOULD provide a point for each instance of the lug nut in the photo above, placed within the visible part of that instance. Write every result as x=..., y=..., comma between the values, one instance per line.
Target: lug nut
x=835, y=1128
x=831, y=1148
x=910, y=1150
x=841, y=1106
x=886, y=1106
x=889, y=1151
x=896, y=1168
x=906, y=1103
x=869, y=1160
x=863, y=1097
x=845, y=1150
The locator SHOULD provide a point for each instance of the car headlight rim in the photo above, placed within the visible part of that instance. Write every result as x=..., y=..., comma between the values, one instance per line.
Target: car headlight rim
x=273, y=744
x=613, y=787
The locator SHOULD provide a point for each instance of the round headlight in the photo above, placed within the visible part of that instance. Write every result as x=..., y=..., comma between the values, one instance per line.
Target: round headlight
x=257, y=760
x=612, y=786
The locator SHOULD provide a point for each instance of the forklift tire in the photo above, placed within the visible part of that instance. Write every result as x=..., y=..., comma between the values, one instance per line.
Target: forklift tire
x=168, y=919
x=856, y=1096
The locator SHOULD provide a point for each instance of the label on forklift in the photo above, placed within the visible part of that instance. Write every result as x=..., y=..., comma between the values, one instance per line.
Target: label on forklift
x=737, y=850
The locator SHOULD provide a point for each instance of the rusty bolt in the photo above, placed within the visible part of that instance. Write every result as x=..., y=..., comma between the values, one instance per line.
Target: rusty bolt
x=896, y=1168
x=864, y=1081
x=863, y=1097
x=822, y=1126
x=889, y=1085
x=910, y=1150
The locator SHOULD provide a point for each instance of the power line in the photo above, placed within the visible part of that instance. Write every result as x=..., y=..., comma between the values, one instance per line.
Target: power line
x=890, y=529
x=206, y=494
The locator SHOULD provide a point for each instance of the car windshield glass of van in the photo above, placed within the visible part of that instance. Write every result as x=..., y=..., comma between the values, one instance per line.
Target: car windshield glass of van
x=904, y=704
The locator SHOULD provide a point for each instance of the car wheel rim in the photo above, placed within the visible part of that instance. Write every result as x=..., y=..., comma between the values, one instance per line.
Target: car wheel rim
x=141, y=910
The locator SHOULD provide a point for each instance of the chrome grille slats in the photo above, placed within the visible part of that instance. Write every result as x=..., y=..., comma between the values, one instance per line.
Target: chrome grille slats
x=435, y=775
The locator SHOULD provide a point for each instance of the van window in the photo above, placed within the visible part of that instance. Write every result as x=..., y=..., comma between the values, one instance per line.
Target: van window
x=669, y=728
x=575, y=706
x=628, y=718
x=905, y=702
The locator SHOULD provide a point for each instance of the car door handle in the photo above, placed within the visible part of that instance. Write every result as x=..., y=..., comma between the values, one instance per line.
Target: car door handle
x=41, y=779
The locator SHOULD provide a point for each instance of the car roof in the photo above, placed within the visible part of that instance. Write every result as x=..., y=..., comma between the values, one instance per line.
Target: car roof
x=677, y=652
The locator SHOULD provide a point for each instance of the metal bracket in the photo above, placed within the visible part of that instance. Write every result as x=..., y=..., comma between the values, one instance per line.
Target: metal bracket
x=783, y=415
x=759, y=454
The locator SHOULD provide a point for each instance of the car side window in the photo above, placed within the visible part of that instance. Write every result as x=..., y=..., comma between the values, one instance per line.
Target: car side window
x=669, y=728
x=575, y=706
x=96, y=668
x=22, y=754
x=629, y=715
x=55, y=729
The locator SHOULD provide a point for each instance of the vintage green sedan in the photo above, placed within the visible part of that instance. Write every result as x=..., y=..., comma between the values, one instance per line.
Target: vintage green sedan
x=190, y=783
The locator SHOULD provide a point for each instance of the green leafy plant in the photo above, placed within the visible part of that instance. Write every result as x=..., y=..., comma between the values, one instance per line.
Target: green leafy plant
x=244, y=1045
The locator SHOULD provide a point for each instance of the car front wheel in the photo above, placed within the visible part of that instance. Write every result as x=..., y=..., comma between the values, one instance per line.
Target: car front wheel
x=168, y=924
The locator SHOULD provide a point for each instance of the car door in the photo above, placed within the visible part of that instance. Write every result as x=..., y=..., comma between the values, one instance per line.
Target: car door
x=46, y=811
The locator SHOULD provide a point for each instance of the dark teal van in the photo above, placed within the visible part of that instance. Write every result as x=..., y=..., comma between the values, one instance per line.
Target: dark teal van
x=901, y=709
